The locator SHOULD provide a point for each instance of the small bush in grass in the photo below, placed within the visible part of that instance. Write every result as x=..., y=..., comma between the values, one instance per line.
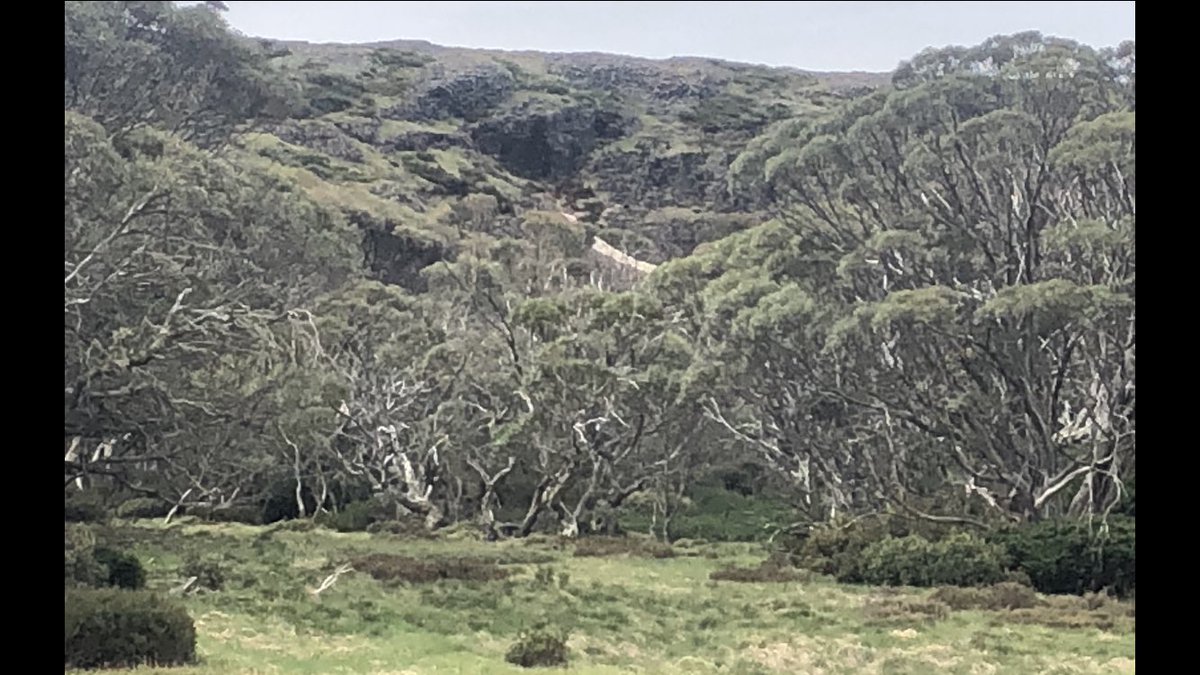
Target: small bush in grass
x=1000, y=596
x=124, y=568
x=209, y=572
x=541, y=647
x=387, y=567
x=111, y=628
x=599, y=547
x=143, y=507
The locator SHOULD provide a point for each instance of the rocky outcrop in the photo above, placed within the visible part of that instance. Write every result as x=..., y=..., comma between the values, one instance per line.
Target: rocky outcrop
x=320, y=137
x=546, y=143
x=466, y=95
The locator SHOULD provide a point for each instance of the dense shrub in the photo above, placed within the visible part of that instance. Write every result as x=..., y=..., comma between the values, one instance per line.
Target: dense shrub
x=79, y=560
x=717, y=514
x=355, y=516
x=124, y=570
x=597, y=547
x=1070, y=557
x=539, y=648
x=109, y=628
x=209, y=572
x=84, y=507
x=837, y=548
x=387, y=567
x=143, y=507
x=960, y=559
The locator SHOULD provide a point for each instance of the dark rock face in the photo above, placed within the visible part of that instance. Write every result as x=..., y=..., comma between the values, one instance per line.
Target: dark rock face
x=468, y=95
x=395, y=258
x=426, y=140
x=319, y=137
x=546, y=145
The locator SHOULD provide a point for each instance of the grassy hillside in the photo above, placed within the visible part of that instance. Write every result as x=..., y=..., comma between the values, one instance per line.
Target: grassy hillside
x=626, y=613
x=397, y=133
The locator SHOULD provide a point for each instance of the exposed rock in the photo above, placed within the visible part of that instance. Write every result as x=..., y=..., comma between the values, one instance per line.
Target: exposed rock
x=467, y=95
x=320, y=137
x=535, y=142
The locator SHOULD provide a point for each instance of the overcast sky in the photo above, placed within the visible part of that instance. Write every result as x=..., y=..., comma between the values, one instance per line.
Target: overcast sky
x=872, y=36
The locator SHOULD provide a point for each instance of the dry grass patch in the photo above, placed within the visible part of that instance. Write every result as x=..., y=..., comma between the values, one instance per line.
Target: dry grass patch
x=387, y=567
x=904, y=610
x=603, y=547
x=1002, y=596
x=768, y=571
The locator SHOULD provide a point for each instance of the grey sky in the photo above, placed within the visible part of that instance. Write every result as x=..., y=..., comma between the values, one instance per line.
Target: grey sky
x=873, y=36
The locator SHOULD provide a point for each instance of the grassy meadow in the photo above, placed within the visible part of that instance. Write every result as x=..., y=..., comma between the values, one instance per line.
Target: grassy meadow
x=634, y=611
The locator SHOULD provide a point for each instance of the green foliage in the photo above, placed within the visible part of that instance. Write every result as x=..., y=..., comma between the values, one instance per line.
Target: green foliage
x=84, y=507
x=1074, y=557
x=716, y=514
x=960, y=559
x=541, y=647
x=109, y=628
x=124, y=568
x=209, y=571
x=80, y=564
x=355, y=516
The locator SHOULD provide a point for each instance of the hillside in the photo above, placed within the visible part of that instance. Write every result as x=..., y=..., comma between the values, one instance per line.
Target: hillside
x=397, y=134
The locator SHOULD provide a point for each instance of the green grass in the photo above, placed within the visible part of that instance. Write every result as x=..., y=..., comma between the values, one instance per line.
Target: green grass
x=625, y=614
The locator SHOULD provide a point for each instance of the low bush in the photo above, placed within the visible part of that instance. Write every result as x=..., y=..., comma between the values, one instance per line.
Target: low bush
x=1005, y=595
x=84, y=507
x=143, y=507
x=110, y=628
x=387, y=567
x=961, y=559
x=1071, y=557
x=79, y=560
x=539, y=648
x=599, y=547
x=355, y=516
x=209, y=572
x=124, y=570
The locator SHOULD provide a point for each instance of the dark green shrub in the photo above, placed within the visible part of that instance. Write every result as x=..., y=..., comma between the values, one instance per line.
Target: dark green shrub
x=209, y=572
x=124, y=569
x=143, y=507
x=539, y=648
x=837, y=548
x=1069, y=557
x=110, y=628
x=355, y=516
x=961, y=559
x=84, y=507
